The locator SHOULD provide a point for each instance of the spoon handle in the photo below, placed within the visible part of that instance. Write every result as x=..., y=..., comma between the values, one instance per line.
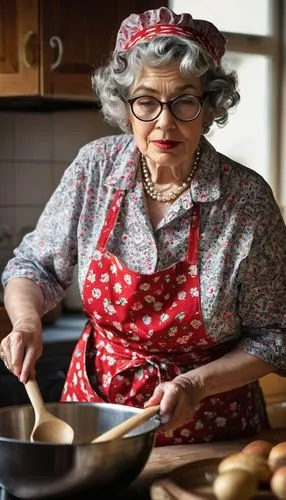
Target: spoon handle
x=128, y=425
x=35, y=396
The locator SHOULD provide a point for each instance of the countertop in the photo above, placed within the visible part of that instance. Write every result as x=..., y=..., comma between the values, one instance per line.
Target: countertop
x=68, y=327
x=165, y=459
x=63, y=334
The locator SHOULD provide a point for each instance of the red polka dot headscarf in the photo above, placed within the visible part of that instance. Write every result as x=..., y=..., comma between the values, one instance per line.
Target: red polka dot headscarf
x=163, y=21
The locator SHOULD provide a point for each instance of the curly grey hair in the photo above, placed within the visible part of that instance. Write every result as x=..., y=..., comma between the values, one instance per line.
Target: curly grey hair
x=113, y=81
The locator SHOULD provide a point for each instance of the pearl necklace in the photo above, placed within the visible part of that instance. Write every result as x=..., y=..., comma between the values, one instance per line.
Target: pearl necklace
x=165, y=198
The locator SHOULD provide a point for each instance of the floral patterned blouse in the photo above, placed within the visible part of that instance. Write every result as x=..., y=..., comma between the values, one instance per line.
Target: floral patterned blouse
x=242, y=248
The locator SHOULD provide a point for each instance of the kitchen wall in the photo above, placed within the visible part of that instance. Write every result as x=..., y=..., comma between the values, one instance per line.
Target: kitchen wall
x=35, y=149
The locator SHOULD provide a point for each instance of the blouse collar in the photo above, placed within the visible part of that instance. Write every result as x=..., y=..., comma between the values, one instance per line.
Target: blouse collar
x=205, y=185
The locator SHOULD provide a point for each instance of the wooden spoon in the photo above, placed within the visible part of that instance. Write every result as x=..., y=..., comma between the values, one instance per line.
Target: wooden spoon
x=47, y=427
x=128, y=425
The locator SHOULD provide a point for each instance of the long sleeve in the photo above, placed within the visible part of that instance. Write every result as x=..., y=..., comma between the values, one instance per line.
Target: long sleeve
x=70, y=224
x=48, y=254
x=262, y=295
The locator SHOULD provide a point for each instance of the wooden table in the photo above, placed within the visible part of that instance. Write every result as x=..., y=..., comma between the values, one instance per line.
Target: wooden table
x=167, y=458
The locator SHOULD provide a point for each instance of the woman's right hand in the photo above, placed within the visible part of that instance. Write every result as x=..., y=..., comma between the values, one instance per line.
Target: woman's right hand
x=22, y=347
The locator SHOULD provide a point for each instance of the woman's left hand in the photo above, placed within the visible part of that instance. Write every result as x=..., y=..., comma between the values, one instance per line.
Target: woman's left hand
x=177, y=400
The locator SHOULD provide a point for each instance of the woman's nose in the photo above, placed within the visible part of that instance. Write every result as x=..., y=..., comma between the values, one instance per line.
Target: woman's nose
x=166, y=120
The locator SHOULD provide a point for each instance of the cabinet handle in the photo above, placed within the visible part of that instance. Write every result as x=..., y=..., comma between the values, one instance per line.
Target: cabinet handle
x=28, y=45
x=55, y=42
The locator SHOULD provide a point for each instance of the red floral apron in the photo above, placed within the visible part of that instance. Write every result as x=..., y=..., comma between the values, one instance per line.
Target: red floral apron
x=144, y=329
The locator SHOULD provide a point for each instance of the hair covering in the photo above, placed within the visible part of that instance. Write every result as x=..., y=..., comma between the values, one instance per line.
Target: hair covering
x=137, y=28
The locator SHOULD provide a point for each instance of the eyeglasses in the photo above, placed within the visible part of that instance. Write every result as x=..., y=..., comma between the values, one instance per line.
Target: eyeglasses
x=185, y=108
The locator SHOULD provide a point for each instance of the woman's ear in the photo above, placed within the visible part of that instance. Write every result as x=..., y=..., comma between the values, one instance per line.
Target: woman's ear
x=205, y=128
x=207, y=121
x=128, y=125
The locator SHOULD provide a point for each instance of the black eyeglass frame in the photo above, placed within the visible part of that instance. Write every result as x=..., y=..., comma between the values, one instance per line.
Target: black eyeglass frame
x=169, y=106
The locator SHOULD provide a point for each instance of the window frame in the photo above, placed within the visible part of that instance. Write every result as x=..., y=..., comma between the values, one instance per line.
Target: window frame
x=272, y=46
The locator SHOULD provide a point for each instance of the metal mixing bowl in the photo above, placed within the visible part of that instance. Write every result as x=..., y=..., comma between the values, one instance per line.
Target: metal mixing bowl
x=38, y=470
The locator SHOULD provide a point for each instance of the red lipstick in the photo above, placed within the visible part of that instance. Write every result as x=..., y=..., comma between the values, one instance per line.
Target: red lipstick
x=165, y=145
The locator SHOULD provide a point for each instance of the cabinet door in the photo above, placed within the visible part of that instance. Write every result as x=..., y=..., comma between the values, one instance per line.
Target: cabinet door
x=128, y=7
x=76, y=37
x=51, y=47
x=19, y=41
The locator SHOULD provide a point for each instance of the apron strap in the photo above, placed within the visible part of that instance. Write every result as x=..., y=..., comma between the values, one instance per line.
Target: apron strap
x=110, y=220
x=194, y=236
x=112, y=216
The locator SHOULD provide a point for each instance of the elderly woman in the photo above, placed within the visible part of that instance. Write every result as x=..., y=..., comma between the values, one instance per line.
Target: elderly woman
x=181, y=250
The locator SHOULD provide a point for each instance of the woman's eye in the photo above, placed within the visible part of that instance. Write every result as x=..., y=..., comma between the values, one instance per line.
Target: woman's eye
x=146, y=103
x=187, y=102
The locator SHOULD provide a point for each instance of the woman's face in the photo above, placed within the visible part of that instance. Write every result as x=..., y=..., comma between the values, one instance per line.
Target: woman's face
x=166, y=140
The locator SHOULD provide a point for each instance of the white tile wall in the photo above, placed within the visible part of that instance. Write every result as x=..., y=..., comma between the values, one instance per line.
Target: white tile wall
x=7, y=128
x=33, y=136
x=73, y=129
x=7, y=183
x=8, y=218
x=33, y=182
x=35, y=149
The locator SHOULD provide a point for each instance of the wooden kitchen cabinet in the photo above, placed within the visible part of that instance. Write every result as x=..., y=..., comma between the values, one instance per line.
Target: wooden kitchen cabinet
x=49, y=48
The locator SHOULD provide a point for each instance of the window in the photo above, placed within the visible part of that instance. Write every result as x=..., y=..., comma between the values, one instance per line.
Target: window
x=254, y=133
x=246, y=136
x=238, y=16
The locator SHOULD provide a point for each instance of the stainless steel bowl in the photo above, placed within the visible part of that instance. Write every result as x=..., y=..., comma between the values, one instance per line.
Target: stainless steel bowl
x=38, y=470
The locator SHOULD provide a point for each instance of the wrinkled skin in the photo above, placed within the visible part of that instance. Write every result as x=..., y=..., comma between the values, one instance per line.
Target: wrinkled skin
x=178, y=400
x=21, y=349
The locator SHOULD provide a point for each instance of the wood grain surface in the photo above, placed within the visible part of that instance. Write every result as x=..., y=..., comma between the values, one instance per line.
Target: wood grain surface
x=164, y=461
x=193, y=481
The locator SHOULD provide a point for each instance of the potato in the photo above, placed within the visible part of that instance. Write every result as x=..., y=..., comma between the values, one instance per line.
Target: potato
x=278, y=483
x=277, y=453
x=235, y=484
x=259, y=447
x=251, y=463
x=278, y=463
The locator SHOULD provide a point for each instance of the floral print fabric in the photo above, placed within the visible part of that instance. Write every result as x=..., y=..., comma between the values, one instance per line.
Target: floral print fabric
x=147, y=328
x=242, y=247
